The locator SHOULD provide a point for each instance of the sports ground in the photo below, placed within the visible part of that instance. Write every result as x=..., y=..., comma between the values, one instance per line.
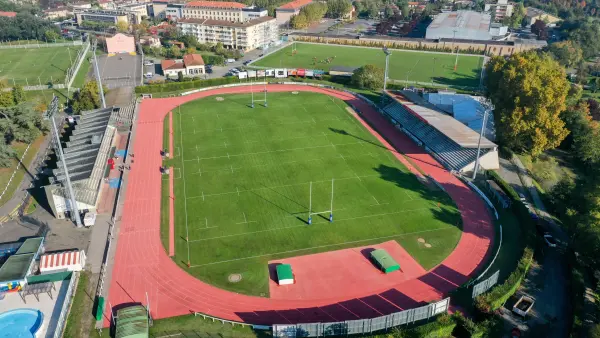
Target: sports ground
x=418, y=66
x=242, y=176
x=24, y=66
x=143, y=271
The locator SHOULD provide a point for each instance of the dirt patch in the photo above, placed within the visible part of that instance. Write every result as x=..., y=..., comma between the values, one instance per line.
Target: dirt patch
x=234, y=278
x=220, y=98
x=421, y=240
x=427, y=245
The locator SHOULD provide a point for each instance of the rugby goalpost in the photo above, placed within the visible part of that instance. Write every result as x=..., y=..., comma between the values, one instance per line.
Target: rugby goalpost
x=264, y=90
x=310, y=212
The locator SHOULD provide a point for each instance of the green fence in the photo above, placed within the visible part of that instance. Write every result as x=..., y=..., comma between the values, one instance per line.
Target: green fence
x=51, y=277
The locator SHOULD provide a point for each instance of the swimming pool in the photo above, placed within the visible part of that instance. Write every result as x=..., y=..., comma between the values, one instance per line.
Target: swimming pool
x=22, y=323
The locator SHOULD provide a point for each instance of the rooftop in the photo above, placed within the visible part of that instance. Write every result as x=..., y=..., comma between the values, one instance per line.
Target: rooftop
x=462, y=19
x=297, y=4
x=16, y=267
x=215, y=4
x=8, y=14
x=193, y=60
x=224, y=23
x=30, y=246
x=445, y=124
x=132, y=322
x=171, y=64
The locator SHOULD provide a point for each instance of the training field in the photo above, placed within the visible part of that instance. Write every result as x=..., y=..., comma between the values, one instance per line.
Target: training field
x=242, y=179
x=24, y=66
x=418, y=65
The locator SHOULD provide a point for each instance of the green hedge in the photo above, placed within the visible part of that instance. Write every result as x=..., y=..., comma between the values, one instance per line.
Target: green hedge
x=493, y=300
x=175, y=86
x=440, y=328
x=465, y=327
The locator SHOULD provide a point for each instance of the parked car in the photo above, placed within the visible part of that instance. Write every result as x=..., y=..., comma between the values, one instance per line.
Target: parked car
x=522, y=198
x=230, y=60
x=148, y=63
x=550, y=241
x=148, y=75
x=247, y=62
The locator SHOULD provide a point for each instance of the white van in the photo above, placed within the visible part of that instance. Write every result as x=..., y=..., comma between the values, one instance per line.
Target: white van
x=230, y=60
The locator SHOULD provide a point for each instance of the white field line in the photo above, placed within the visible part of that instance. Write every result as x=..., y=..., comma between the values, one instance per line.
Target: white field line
x=322, y=246
x=303, y=225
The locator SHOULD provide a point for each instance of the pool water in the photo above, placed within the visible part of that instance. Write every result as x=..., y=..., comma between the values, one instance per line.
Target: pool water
x=22, y=323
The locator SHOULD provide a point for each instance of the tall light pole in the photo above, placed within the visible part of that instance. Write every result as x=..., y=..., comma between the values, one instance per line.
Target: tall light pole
x=487, y=107
x=387, y=53
x=456, y=51
x=98, y=79
x=52, y=109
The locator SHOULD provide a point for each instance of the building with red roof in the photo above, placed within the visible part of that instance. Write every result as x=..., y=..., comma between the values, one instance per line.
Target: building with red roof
x=284, y=12
x=8, y=14
x=191, y=65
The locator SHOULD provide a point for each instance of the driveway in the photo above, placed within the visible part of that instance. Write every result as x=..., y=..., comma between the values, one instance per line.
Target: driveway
x=121, y=70
x=547, y=282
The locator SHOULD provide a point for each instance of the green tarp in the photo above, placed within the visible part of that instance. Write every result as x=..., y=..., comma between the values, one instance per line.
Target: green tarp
x=384, y=261
x=100, y=308
x=284, y=271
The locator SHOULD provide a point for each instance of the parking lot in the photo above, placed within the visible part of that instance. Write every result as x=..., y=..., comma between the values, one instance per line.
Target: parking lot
x=121, y=70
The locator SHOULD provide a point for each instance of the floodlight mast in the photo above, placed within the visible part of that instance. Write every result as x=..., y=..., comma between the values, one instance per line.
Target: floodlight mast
x=487, y=107
x=387, y=53
x=98, y=79
x=52, y=108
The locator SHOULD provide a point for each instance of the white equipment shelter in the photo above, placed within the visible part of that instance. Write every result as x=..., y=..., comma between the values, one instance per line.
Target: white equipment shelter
x=62, y=261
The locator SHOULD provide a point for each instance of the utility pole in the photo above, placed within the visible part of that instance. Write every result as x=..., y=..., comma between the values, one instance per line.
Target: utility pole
x=488, y=106
x=385, y=74
x=98, y=79
x=52, y=109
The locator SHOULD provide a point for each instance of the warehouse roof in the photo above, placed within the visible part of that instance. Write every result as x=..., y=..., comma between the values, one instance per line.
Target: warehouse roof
x=470, y=20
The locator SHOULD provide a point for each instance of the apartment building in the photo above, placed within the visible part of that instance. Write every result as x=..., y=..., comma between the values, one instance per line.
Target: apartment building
x=214, y=10
x=499, y=10
x=138, y=11
x=245, y=36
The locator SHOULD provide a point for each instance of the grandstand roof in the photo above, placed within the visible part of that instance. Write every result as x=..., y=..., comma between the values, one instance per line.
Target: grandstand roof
x=445, y=124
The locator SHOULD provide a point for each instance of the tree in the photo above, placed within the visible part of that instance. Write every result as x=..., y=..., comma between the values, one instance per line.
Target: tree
x=368, y=77
x=540, y=30
x=587, y=35
x=567, y=53
x=122, y=26
x=7, y=154
x=594, y=108
x=180, y=76
x=388, y=12
x=518, y=15
x=87, y=98
x=529, y=92
x=21, y=123
x=51, y=35
x=338, y=8
x=173, y=52
x=189, y=40
x=18, y=94
x=299, y=21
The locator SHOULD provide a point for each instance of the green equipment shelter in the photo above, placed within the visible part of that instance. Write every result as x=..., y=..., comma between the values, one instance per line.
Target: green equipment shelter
x=284, y=274
x=384, y=261
x=132, y=322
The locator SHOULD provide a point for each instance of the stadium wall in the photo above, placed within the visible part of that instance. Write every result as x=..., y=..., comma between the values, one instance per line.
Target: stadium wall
x=488, y=161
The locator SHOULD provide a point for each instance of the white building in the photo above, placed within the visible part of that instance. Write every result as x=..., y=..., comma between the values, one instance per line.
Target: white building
x=245, y=36
x=466, y=25
x=191, y=65
x=500, y=10
x=174, y=11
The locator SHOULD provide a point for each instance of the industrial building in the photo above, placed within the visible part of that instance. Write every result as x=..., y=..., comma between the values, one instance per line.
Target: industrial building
x=245, y=36
x=464, y=25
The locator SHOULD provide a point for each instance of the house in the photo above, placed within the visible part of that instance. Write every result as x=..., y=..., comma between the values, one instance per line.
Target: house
x=534, y=14
x=8, y=14
x=150, y=40
x=191, y=65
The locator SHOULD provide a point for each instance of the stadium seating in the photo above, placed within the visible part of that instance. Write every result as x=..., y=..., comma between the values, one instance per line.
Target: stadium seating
x=447, y=151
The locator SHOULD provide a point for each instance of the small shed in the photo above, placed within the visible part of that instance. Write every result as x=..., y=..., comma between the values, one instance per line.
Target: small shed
x=285, y=276
x=62, y=261
x=384, y=261
x=132, y=322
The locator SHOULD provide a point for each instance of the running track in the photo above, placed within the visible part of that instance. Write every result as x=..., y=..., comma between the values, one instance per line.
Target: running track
x=141, y=265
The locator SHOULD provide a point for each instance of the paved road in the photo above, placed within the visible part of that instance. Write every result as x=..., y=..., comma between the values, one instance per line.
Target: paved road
x=545, y=282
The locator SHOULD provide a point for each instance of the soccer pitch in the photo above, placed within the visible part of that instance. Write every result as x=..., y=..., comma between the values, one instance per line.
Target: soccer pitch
x=417, y=65
x=242, y=179
x=24, y=66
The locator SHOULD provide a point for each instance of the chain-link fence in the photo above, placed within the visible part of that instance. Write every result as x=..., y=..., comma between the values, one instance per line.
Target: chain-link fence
x=361, y=326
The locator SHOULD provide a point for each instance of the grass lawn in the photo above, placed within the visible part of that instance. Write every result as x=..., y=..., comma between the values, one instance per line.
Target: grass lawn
x=242, y=185
x=24, y=66
x=418, y=66
x=80, y=321
x=191, y=326
x=81, y=75
x=5, y=173
x=549, y=168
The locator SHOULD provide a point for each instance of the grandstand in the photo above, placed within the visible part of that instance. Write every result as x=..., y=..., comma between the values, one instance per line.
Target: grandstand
x=86, y=152
x=448, y=140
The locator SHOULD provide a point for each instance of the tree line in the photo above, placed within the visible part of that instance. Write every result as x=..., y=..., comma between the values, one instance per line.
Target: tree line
x=316, y=11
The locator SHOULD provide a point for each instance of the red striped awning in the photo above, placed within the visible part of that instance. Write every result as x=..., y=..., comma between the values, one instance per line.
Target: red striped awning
x=59, y=260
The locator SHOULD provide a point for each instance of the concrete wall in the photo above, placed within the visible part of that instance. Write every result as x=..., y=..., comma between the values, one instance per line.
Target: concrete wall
x=488, y=161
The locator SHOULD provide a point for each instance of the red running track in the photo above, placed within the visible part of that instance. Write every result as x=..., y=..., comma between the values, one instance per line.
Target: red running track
x=142, y=266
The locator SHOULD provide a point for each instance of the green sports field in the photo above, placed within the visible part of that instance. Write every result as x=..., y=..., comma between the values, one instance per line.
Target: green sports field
x=419, y=66
x=242, y=179
x=24, y=66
